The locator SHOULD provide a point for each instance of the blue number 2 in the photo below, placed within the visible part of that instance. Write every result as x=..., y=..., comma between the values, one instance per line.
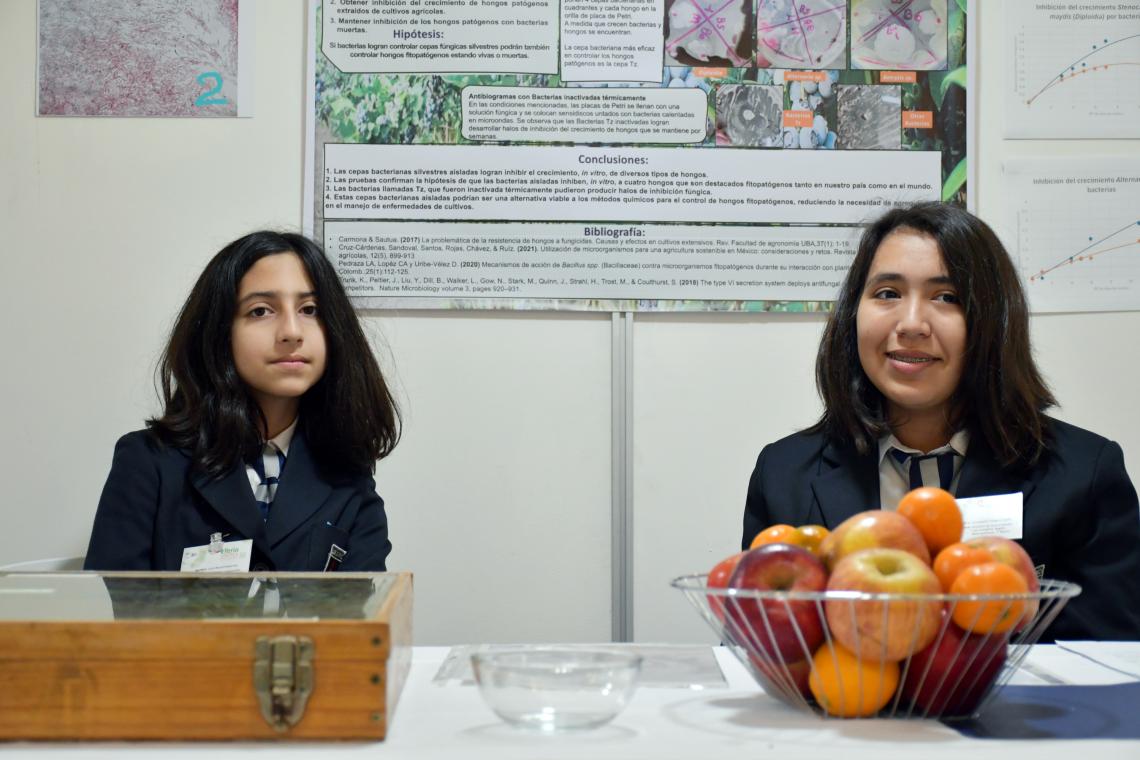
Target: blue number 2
x=211, y=96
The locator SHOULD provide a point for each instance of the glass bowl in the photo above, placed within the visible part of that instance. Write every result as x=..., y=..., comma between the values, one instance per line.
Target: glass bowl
x=877, y=655
x=554, y=689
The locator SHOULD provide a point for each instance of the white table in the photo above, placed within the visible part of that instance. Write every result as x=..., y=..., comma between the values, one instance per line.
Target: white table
x=451, y=721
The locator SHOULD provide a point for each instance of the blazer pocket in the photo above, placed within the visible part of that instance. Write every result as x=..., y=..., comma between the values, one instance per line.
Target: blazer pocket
x=324, y=543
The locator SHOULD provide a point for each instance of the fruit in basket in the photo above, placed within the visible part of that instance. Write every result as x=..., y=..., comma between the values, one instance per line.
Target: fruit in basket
x=780, y=533
x=871, y=530
x=991, y=615
x=775, y=626
x=1009, y=552
x=883, y=629
x=806, y=536
x=952, y=560
x=936, y=515
x=782, y=678
x=718, y=578
x=849, y=687
x=950, y=677
x=955, y=558
x=811, y=537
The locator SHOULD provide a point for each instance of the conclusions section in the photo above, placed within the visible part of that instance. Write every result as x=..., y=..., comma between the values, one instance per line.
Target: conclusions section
x=594, y=261
x=535, y=183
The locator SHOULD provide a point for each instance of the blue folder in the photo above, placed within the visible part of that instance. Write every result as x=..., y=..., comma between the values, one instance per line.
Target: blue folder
x=1059, y=712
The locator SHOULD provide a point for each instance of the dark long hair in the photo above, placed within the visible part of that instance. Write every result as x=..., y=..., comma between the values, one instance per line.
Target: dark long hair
x=1001, y=395
x=349, y=418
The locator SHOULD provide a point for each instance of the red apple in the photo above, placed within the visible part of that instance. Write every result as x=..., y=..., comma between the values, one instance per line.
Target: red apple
x=872, y=530
x=887, y=630
x=718, y=578
x=782, y=679
x=779, y=629
x=950, y=677
x=1010, y=553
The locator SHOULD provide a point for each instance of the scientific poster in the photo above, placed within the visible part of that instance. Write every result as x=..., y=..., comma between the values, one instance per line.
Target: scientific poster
x=634, y=155
x=145, y=58
x=1073, y=69
x=1078, y=231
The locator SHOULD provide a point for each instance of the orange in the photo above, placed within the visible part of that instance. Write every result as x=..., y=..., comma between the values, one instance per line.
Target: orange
x=806, y=537
x=848, y=687
x=775, y=534
x=936, y=515
x=994, y=615
x=811, y=536
x=957, y=557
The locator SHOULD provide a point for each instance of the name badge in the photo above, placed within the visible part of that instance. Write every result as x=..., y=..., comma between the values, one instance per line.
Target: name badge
x=998, y=515
x=218, y=556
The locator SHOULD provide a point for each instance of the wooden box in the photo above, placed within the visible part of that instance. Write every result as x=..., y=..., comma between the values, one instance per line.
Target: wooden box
x=202, y=656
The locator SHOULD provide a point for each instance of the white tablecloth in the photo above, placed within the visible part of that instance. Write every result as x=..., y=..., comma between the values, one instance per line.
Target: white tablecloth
x=451, y=721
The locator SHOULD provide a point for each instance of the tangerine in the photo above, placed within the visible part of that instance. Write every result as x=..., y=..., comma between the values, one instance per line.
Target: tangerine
x=848, y=687
x=775, y=534
x=936, y=515
x=811, y=536
x=992, y=615
x=957, y=557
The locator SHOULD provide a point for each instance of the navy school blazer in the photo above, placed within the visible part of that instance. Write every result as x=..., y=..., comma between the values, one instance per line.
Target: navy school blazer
x=1081, y=516
x=153, y=506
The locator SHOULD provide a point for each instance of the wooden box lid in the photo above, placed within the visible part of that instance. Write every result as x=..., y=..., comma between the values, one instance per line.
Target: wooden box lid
x=176, y=655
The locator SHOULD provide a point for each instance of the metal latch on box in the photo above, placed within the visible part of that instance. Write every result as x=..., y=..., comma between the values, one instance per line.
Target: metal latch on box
x=283, y=678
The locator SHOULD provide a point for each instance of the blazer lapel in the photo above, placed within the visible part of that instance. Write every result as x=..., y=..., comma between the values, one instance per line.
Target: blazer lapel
x=300, y=492
x=983, y=476
x=848, y=483
x=232, y=498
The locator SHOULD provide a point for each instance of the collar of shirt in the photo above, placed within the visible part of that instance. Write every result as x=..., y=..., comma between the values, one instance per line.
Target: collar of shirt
x=285, y=437
x=281, y=441
x=894, y=482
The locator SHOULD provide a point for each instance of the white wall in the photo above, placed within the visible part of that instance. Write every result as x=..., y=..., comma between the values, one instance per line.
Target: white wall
x=499, y=494
x=709, y=392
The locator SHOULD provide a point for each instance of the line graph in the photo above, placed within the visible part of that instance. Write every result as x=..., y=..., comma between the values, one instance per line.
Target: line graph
x=1080, y=67
x=1077, y=224
x=1072, y=73
x=1086, y=255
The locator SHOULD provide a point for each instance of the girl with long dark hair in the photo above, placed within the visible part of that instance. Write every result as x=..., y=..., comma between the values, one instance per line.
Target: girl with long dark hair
x=927, y=378
x=275, y=413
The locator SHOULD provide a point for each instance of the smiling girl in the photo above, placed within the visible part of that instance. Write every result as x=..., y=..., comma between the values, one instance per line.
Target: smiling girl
x=275, y=415
x=927, y=378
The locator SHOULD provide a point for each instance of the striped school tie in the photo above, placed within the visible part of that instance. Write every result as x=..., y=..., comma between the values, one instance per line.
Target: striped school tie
x=268, y=467
x=913, y=462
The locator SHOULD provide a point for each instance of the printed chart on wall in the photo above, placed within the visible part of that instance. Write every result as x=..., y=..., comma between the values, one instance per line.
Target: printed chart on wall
x=625, y=155
x=1073, y=69
x=1078, y=232
x=145, y=58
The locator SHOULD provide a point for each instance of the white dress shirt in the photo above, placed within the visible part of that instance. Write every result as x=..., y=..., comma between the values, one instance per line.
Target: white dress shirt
x=281, y=441
x=894, y=478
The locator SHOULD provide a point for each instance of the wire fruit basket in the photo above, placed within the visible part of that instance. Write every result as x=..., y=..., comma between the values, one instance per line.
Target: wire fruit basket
x=855, y=654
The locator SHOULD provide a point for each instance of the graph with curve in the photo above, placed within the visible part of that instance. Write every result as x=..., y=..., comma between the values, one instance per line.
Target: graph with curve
x=1073, y=69
x=1077, y=223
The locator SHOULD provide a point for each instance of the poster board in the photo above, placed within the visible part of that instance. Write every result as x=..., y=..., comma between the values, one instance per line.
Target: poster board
x=650, y=155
